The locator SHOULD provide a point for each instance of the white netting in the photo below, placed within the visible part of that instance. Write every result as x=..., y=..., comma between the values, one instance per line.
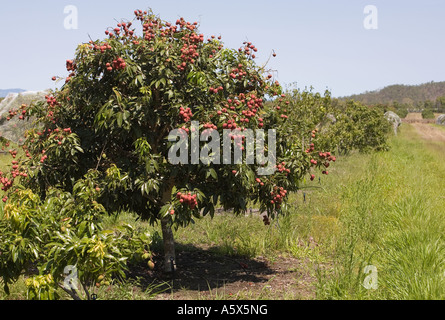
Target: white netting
x=14, y=129
x=394, y=119
x=441, y=120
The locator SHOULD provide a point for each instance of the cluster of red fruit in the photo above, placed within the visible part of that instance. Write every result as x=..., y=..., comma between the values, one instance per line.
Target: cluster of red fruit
x=282, y=102
x=189, y=52
x=13, y=113
x=328, y=157
x=260, y=124
x=149, y=31
x=187, y=25
x=188, y=199
x=238, y=73
x=118, y=64
x=27, y=154
x=184, y=131
x=185, y=114
x=215, y=90
x=282, y=168
x=70, y=66
x=150, y=26
x=102, y=48
x=258, y=180
x=278, y=195
x=140, y=14
x=253, y=104
x=314, y=133
x=13, y=153
x=311, y=148
x=16, y=170
x=57, y=130
x=248, y=49
x=7, y=183
x=210, y=126
x=43, y=158
x=325, y=158
x=237, y=137
x=52, y=101
x=122, y=26
x=230, y=125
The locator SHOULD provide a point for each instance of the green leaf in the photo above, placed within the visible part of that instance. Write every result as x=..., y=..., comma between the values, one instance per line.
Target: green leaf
x=139, y=79
x=170, y=94
x=118, y=95
x=81, y=227
x=213, y=173
x=165, y=210
x=119, y=118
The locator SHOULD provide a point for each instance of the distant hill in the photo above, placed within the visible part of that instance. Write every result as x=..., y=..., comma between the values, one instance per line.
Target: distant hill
x=5, y=92
x=404, y=94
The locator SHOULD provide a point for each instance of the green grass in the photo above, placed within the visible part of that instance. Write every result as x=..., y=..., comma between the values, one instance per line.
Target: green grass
x=393, y=218
x=4, y=161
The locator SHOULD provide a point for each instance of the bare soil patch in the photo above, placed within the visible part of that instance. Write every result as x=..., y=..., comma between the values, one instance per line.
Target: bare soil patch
x=429, y=133
x=203, y=275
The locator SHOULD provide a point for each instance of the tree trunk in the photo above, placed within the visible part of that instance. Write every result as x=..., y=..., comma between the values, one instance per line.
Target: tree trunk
x=167, y=235
x=169, y=245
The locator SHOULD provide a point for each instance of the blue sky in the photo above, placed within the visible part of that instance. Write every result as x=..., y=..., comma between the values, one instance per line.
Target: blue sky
x=319, y=43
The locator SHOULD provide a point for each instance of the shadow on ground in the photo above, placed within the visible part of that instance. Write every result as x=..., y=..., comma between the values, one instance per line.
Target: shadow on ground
x=202, y=273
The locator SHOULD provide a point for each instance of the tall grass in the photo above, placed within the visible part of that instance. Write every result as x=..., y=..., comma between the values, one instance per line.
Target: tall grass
x=392, y=218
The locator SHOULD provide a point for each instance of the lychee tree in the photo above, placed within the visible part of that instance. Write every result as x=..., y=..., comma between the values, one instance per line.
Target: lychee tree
x=127, y=93
x=357, y=127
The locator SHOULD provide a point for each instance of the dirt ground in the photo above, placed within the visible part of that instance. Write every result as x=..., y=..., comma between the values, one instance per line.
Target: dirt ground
x=429, y=133
x=202, y=275
x=424, y=128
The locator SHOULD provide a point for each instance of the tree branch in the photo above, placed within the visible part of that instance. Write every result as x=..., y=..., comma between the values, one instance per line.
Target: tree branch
x=86, y=291
x=73, y=294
